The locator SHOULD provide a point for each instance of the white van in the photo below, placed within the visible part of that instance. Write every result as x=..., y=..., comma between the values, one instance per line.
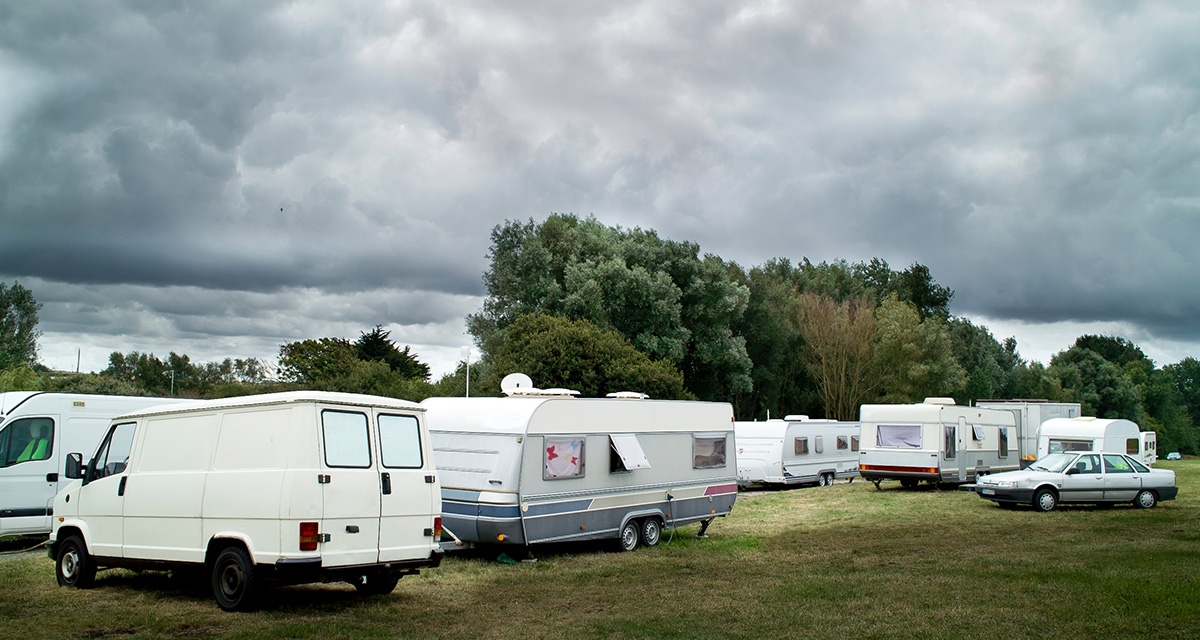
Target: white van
x=36, y=428
x=285, y=488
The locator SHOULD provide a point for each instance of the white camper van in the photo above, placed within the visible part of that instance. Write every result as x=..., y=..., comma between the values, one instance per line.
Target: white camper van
x=534, y=468
x=288, y=488
x=936, y=441
x=1030, y=415
x=36, y=429
x=1096, y=434
x=796, y=450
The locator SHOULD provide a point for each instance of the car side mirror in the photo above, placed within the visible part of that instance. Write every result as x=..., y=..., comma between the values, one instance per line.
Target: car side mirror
x=74, y=469
x=1073, y=471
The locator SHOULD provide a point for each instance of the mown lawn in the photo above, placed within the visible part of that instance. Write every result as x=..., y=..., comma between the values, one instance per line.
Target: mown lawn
x=837, y=562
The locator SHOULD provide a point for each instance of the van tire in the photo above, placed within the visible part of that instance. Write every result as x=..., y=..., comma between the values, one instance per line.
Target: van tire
x=234, y=580
x=651, y=532
x=628, y=541
x=73, y=566
x=379, y=584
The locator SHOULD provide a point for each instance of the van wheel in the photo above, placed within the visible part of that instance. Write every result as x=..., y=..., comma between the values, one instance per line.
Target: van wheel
x=1045, y=500
x=234, y=582
x=376, y=585
x=629, y=536
x=651, y=532
x=74, y=567
x=1145, y=500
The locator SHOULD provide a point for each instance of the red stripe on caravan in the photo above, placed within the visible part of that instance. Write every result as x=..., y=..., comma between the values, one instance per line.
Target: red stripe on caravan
x=721, y=488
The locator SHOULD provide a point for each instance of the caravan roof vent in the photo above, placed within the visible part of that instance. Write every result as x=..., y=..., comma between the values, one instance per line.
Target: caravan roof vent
x=796, y=418
x=628, y=395
x=939, y=400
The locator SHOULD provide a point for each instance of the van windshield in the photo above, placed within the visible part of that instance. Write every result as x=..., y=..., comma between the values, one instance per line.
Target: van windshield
x=1054, y=463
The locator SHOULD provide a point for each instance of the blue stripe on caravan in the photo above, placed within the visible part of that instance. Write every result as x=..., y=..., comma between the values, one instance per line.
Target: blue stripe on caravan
x=474, y=509
x=495, y=511
x=459, y=508
x=557, y=507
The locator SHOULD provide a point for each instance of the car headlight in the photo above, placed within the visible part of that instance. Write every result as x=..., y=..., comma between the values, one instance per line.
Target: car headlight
x=1006, y=484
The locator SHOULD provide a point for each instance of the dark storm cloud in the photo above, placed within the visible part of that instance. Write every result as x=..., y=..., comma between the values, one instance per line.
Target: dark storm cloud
x=299, y=169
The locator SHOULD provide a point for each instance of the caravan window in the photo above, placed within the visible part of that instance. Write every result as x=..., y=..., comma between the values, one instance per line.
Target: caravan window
x=26, y=440
x=1059, y=445
x=977, y=432
x=563, y=458
x=626, y=454
x=1003, y=442
x=801, y=446
x=708, y=450
x=898, y=435
x=400, y=442
x=854, y=443
x=1133, y=446
x=951, y=442
x=818, y=446
x=346, y=441
x=843, y=442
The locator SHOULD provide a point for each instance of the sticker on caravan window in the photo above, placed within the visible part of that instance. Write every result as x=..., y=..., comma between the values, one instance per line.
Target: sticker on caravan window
x=898, y=435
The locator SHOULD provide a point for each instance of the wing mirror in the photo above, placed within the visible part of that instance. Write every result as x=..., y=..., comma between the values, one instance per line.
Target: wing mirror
x=74, y=468
x=1073, y=471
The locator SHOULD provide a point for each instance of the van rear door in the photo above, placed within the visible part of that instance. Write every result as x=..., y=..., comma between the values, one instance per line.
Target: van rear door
x=410, y=495
x=350, y=489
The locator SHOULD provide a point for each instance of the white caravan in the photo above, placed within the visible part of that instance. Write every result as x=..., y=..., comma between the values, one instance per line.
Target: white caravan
x=1096, y=434
x=1030, y=415
x=36, y=428
x=534, y=468
x=936, y=441
x=287, y=488
x=796, y=450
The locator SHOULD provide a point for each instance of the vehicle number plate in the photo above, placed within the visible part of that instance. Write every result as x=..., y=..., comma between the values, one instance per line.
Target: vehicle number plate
x=988, y=492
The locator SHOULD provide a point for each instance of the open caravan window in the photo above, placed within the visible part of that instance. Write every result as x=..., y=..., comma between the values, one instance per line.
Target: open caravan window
x=1003, y=442
x=708, y=450
x=898, y=435
x=626, y=454
x=977, y=432
x=563, y=458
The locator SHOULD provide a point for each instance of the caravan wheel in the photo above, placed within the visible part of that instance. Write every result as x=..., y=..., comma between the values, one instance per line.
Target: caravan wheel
x=821, y=480
x=629, y=536
x=651, y=532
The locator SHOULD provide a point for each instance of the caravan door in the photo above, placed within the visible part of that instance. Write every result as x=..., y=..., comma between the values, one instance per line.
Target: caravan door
x=408, y=500
x=350, y=489
x=28, y=473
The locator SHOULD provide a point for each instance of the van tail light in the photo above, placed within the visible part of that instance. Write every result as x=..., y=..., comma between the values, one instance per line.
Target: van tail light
x=437, y=527
x=308, y=536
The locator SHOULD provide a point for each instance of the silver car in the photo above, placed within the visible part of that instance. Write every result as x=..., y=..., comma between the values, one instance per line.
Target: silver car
x=1079, y=476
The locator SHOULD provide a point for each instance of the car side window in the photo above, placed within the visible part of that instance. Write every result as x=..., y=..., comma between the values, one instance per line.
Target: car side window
x=113, y=455
x=1116, y=464
x=1088, y=464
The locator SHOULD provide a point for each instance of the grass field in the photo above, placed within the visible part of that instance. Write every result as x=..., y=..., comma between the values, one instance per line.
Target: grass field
x=846, y=561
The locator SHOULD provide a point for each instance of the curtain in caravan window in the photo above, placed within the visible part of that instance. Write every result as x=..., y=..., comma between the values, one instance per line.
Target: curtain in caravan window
x=977, y=431
x=564, y=458
x=801, y=446
x=951, y=443
x=854, y=443
x=708, y=450
x=898, y=435
x=843, y=442
x=1003, y=442
x=630, y=450
x=818, y=446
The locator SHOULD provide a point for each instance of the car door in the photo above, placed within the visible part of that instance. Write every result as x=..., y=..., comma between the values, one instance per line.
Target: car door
x=1121, y=481
x=28, y=474
x=102, y=496
x=350, y=489
x=1083, y=481
x=408, y=498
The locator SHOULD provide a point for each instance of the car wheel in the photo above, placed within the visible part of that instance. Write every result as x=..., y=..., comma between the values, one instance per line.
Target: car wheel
x=629, y=536
x=74, y=567
x=651, y=532
x=379, y=584
x=1145, y=500
x=234, y=581
x=1045, y=500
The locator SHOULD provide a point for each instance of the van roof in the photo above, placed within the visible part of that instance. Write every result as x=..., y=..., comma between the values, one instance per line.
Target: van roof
x=286, y=397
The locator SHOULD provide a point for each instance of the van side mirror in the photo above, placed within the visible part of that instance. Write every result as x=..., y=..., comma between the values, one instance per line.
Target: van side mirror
x=74, y=469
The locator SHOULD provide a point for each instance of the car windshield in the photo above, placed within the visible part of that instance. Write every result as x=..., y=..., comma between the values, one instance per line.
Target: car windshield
x=1054, y=462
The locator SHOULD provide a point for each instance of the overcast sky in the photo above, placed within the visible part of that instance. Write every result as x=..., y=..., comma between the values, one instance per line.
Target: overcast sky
x=218, y=178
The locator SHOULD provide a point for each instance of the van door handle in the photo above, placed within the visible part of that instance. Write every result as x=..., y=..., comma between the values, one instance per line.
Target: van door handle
x=121, y=487
x=387, y=482
x=51, y=477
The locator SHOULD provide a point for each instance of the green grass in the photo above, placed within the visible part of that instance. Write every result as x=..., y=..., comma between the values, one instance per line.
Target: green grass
x=835, y=562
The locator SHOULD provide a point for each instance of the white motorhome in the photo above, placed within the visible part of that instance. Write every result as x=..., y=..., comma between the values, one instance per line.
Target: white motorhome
x=1096, y=434
x=796, y=450
x=935, y=441
x=540, y=467
x=36, y=428
x=288, y=488
x=1030, y=415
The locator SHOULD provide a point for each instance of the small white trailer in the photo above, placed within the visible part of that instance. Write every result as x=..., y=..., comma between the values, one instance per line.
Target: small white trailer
x=36, y=430
x=796, y=450
x=1096, y=434
x=936, y=441
x=539, y=467
x=1030, y=415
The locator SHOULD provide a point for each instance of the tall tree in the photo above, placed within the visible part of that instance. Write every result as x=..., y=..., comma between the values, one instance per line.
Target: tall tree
x=376, y=346
x=840, y=340
x=1100, y=386
x=914, y=356
x=18, y=326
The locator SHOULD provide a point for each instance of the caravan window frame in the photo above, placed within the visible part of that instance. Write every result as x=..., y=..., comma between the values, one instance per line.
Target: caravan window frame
x=907, y=428
x=843, y=443
x=723, y=438
x=800, y=446
x=581, y=439
x=616, y=460
x=1002, y=446
x=950, y=441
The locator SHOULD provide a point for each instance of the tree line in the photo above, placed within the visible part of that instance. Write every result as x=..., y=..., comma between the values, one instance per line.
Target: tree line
x=575, y=303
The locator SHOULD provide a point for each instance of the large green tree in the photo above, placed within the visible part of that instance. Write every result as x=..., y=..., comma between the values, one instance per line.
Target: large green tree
x=18, y=326
x=839, y=351
x=376, y=346
x=914, y=355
